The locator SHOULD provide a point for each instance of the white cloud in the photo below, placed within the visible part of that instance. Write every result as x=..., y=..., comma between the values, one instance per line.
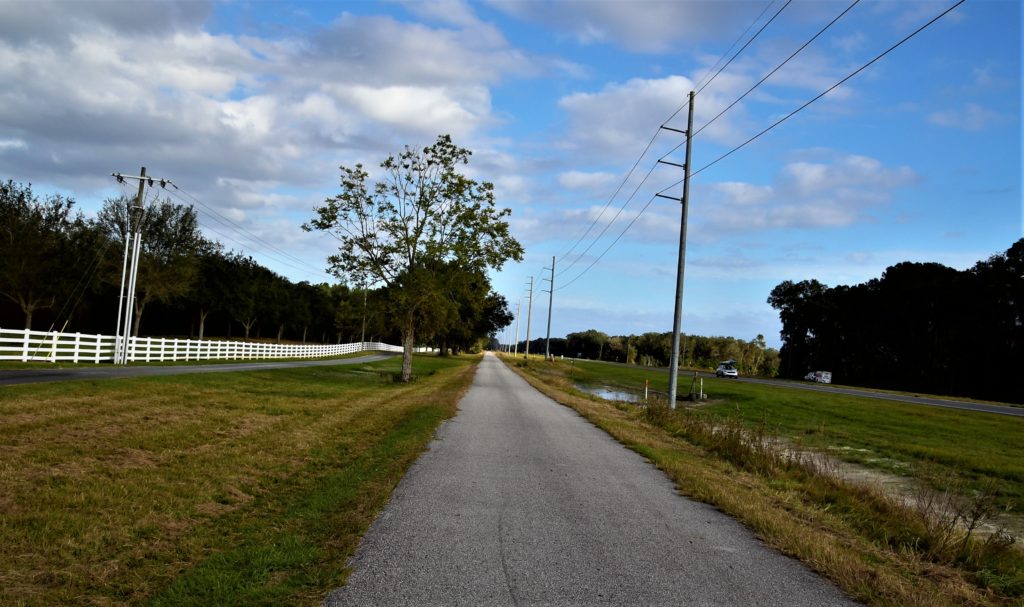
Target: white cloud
x=580, y=180
x=972, y=117
x=647, y=26
x=806, y=195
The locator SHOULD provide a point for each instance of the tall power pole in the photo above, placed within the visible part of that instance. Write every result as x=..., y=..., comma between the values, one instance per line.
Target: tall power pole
x=551, y=296
x=130, y=266
x=673, y=367
x=529, y=313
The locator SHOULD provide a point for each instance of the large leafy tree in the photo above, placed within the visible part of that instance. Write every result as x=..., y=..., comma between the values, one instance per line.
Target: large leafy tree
x=171, y=247
x=37, y=259
x=419, y=215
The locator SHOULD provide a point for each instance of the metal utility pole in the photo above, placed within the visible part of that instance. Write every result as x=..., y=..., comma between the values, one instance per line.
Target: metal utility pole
x=529, y=313
x=130, y=266
x=518, y=305
x=362, y=337
x=551, y=297
x=673, y=368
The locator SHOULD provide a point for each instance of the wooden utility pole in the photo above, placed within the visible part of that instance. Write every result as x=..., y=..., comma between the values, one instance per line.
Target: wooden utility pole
x=529, y=313
x=551, y=296
x=673, y=369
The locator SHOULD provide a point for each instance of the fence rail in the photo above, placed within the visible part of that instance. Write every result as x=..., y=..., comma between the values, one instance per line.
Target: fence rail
x=40, y=346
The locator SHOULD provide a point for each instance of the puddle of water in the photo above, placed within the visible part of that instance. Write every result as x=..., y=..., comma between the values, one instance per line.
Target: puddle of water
x=609, y=393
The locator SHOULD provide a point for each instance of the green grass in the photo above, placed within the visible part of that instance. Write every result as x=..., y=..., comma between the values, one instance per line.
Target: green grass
x=967, y=450
x=215, y=489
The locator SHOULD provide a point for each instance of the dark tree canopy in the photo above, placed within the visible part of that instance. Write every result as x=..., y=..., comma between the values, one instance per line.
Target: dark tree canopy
x=919, y=327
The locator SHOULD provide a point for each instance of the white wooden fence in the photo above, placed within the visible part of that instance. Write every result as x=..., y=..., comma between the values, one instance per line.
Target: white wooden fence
x=26, y=346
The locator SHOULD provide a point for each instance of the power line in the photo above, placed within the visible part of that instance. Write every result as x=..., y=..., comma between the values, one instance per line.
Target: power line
x=829, y=89
x=742, y=48
x=732, y=46
x=278, y=254
x=664, y=122
x=616, y=193
x=778, y=67
x=609, y=224
x=777, y=123
x=617, y=238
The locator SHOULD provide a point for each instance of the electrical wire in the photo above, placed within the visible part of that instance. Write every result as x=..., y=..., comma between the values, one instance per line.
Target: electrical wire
x=614, y=194
x=828, y=90
x=664, y=122
x=777, y=123
x=727, y=51
x=609, y=224
x=742, y=48
x=778, y=67
x=275, y=252
x=609, y=247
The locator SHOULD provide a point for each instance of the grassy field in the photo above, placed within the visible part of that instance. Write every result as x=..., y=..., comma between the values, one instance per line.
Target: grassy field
x=880, y=550
x=946, y=448
x=210, y=489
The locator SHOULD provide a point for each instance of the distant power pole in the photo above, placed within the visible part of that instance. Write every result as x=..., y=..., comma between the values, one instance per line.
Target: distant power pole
x=515, y=351
x=551, y=296
x=529, y=313
x=130, y=265
x=673, y=366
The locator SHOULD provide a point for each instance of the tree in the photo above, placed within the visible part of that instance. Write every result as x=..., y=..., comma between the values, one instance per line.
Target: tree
x=171, y=246
x=418, y=216
x=37, y=259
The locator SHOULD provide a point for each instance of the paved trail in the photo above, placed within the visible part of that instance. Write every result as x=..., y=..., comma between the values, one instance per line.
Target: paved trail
x=520, y=501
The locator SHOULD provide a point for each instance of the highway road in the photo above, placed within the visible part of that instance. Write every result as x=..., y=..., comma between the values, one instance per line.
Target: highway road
x=35, y=376
x=520, y=501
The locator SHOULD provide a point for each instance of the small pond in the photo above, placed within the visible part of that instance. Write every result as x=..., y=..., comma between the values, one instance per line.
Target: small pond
x=609, y=393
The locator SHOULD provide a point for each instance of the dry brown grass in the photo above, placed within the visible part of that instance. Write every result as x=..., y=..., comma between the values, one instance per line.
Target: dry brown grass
x=115, y=492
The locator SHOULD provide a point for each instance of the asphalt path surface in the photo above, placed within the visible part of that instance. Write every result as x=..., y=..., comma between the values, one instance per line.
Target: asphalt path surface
x=520, y=501
x=34, y=376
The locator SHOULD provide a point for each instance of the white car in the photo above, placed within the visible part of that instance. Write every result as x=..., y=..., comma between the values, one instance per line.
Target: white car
x=727, y=369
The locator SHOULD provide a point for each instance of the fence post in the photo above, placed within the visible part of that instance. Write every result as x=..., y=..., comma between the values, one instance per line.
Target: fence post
x=24, y=346
x=78, y=345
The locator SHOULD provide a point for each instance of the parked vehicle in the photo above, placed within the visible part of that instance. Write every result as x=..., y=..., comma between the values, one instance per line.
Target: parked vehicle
x=727, y=368
x=821, y=377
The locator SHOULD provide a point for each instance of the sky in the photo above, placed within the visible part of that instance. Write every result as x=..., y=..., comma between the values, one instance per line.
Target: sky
x=250, y=107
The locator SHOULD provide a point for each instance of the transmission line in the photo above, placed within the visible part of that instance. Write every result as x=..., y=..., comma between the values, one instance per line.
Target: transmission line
x=664, y=122
x=829, y=89
x=775, y=124
x=754, y=37
x=278, y=255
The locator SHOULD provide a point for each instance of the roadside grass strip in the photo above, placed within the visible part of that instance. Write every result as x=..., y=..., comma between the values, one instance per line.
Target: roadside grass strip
x=880, y=550
x=248, y=488
x=947, y=449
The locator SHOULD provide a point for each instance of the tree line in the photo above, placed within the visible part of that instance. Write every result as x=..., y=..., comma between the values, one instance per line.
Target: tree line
x=63, y=271
x=920, y=327
x=752, y=357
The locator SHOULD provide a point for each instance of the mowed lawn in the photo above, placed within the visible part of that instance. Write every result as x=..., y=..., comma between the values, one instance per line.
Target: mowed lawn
x=209, y=489
x=947, y=448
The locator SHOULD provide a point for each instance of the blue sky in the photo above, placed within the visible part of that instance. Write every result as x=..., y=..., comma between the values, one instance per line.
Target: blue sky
x=250, y=106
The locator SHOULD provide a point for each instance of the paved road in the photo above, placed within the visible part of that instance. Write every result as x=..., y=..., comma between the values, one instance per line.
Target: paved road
x=33, y=376
x=520, y=501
